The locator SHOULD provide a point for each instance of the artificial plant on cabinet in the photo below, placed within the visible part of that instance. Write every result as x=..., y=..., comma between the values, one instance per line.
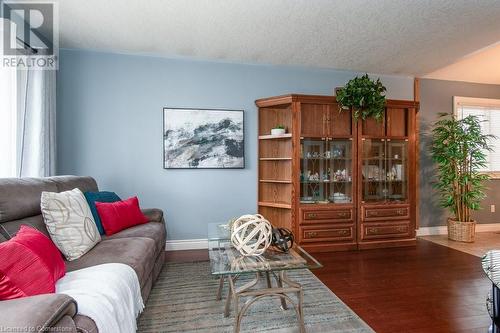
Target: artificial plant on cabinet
x=364, y=96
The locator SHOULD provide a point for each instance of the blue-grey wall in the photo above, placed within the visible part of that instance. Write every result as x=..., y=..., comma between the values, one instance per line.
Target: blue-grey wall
x=110, y=126
x=437, y=96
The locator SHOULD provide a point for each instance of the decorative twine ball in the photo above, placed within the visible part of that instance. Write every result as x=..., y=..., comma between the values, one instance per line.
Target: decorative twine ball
x=282, y=239
x=251, y=234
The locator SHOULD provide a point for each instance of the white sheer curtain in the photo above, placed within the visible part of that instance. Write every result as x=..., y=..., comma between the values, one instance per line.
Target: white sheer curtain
x=27, y=121
x=36, y=135
x=8, y=122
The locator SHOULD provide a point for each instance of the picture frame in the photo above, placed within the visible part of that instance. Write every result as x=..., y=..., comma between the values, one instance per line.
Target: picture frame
x=195, y=138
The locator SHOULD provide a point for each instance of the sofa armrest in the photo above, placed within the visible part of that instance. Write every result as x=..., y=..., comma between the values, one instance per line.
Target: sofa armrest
x=35, y=313
x=153, y=214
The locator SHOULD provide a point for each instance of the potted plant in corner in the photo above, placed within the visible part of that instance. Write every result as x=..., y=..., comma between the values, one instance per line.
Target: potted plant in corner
x=364, y=96
x=278, y=130
x=459, y=150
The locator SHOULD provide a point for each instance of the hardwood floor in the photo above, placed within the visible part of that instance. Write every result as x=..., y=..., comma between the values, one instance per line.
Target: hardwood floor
x=427, y=288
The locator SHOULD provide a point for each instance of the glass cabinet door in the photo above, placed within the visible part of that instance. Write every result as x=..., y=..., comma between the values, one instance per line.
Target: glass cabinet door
x=397, y=170
x=339, y=170
x=312, y=171
x=384, y=170
x=373, y=170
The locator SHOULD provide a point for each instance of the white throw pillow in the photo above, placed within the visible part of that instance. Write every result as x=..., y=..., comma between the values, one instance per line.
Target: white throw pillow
x=70, y=223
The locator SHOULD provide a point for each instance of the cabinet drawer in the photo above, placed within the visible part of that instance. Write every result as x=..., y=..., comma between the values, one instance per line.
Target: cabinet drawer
x=312, y=216
x=383, y=213
x=386, y=230
x=319, y=233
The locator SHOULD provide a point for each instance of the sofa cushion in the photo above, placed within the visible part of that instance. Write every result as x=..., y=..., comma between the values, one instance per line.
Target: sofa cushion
x=66, y=324
x=103, y=196
x=85, y=324
x=69, y=222
x=137, y=252
x=10, y=229
x=66, y=183
x=120, y=215
x=20, y=198
x=155, y=231
x=153, y=214
x=39, y=312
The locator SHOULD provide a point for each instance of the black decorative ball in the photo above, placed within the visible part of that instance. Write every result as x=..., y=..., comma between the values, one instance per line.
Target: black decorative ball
x=282, y=239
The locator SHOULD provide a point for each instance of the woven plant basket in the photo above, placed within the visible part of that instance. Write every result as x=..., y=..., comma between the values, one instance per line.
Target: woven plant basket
x=461, y=231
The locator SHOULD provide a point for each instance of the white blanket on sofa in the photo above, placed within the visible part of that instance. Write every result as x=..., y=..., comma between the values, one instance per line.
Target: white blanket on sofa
x=110, y=294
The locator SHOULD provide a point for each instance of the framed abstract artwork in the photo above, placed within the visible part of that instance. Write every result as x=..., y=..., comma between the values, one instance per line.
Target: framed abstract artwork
x=203, y=139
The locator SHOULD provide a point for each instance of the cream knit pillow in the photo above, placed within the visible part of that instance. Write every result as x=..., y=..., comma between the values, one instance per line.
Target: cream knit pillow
x=70, y=223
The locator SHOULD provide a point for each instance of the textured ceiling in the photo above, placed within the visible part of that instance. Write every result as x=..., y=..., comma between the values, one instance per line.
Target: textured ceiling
x=481, y=67
x=411, y=37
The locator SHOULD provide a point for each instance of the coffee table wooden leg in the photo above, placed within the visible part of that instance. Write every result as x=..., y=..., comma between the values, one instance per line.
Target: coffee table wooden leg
x=254, y=295
x=280, y=285
x=268, y=280
x=230, y=295
x=302, y=326
x=221, y=285
x=300, y=296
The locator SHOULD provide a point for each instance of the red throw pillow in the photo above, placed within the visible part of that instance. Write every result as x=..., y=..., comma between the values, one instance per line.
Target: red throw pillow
x=8, y=290
x=119, y=215
x=31, y=264
x=44, y=248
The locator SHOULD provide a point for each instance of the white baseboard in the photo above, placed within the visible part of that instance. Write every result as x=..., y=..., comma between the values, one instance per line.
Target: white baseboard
x=443, y=230
x=187, y=244
x=201, y=244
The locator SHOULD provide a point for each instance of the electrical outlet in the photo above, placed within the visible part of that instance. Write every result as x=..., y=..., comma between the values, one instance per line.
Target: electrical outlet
x=492, y=208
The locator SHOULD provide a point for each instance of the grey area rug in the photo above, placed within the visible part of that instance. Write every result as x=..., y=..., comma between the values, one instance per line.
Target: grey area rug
x=183, y=300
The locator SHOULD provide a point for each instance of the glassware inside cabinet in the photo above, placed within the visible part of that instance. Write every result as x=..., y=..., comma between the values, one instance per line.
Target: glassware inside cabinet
x=312, y=171
x=397, y=171
x=373, y=170
x=339, y=170
x=384, y=170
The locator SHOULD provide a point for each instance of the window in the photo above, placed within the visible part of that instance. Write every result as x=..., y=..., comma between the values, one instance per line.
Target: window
x=489, y=110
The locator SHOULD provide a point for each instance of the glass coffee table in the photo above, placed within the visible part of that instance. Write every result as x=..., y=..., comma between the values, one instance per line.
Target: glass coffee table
x=491, y=266
x=229, y=265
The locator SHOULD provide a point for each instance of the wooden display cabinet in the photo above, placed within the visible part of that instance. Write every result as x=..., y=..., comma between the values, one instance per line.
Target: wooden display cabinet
x=387, y=178
x=336, y=183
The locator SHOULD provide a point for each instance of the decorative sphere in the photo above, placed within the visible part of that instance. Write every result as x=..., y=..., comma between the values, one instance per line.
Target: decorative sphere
x=282, y=239
x=251, y=234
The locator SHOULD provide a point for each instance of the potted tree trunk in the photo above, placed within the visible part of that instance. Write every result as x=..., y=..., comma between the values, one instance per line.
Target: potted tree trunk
x=459, y=150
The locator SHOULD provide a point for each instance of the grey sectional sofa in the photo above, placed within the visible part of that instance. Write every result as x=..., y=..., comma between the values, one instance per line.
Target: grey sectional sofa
x=142, y=247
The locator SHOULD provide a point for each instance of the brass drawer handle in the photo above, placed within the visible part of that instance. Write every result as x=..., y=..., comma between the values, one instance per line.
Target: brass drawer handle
x=312, y=234
x=344, y=232
x=343, y=214
x=311, y=215
x=375, y=231
x=401, y=211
